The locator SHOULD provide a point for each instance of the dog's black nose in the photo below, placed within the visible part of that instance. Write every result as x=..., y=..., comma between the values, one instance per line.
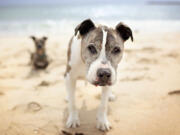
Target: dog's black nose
x=104, y=74
x=39, y=46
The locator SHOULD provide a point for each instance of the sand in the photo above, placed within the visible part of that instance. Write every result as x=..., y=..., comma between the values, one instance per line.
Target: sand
x=34, y=103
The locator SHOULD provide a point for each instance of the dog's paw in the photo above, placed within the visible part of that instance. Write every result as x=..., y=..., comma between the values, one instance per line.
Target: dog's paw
x=103, y=123
x=73, y=120
x=112, y=97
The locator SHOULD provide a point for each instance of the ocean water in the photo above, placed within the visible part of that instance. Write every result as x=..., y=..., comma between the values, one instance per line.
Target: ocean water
x=61, y=19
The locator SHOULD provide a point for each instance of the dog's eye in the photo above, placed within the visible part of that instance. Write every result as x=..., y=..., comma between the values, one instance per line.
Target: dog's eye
x=116, y=50
x=92, y=49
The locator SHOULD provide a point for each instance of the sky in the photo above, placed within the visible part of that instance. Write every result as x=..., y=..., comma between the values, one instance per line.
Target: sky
x=28, y=2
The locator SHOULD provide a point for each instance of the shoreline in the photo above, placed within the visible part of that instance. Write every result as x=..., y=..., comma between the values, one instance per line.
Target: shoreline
x=64, y=27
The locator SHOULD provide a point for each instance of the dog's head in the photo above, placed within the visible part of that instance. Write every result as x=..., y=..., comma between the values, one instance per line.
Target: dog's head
x=39, y=44
x=102, y=50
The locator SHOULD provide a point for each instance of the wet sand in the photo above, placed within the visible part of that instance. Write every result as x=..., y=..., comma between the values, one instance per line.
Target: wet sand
x=34, y=103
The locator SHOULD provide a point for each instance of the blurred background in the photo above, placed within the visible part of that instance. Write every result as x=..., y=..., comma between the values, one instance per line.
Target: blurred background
x=147, y=84
x=61, y=16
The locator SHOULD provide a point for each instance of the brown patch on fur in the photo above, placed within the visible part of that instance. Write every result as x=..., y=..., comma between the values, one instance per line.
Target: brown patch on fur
x=113, y=41
x=68, y=67
x=93, y=37
x=69, y=49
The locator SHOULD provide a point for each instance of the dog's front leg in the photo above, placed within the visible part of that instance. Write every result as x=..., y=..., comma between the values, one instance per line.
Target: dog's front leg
x=102, y=121
x=73, y=118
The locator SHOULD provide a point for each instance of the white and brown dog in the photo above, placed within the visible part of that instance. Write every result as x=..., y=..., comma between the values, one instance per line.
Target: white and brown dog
x=94, y=53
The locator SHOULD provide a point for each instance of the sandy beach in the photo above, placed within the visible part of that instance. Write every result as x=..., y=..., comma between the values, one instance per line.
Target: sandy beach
x=34, y=103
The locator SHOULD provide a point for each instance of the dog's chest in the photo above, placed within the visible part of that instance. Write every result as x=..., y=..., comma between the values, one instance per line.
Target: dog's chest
x=39, y=61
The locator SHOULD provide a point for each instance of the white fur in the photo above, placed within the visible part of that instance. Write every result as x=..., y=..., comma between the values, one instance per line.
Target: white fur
x=102, y=121
x=73, y=118
x=71, y=77
x=75, y=59
x=78, y=70
x=103, y=50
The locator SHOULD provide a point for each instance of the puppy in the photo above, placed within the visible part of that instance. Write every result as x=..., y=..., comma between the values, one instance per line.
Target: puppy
x=39, y=58
x=94, y=53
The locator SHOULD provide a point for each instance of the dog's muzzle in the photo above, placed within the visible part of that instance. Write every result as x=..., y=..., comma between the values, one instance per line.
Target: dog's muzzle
x=103, y=77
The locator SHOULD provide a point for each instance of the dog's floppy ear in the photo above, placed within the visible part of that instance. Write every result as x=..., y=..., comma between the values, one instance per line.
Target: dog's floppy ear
x=84, y=27
x=44, y=38
x=33, y=38
x=124, y=31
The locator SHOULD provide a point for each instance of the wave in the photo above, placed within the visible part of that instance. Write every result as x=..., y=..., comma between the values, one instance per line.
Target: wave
x=52, y=27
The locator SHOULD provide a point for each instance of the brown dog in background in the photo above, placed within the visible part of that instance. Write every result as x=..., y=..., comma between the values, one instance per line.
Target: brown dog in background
x=39, y=58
